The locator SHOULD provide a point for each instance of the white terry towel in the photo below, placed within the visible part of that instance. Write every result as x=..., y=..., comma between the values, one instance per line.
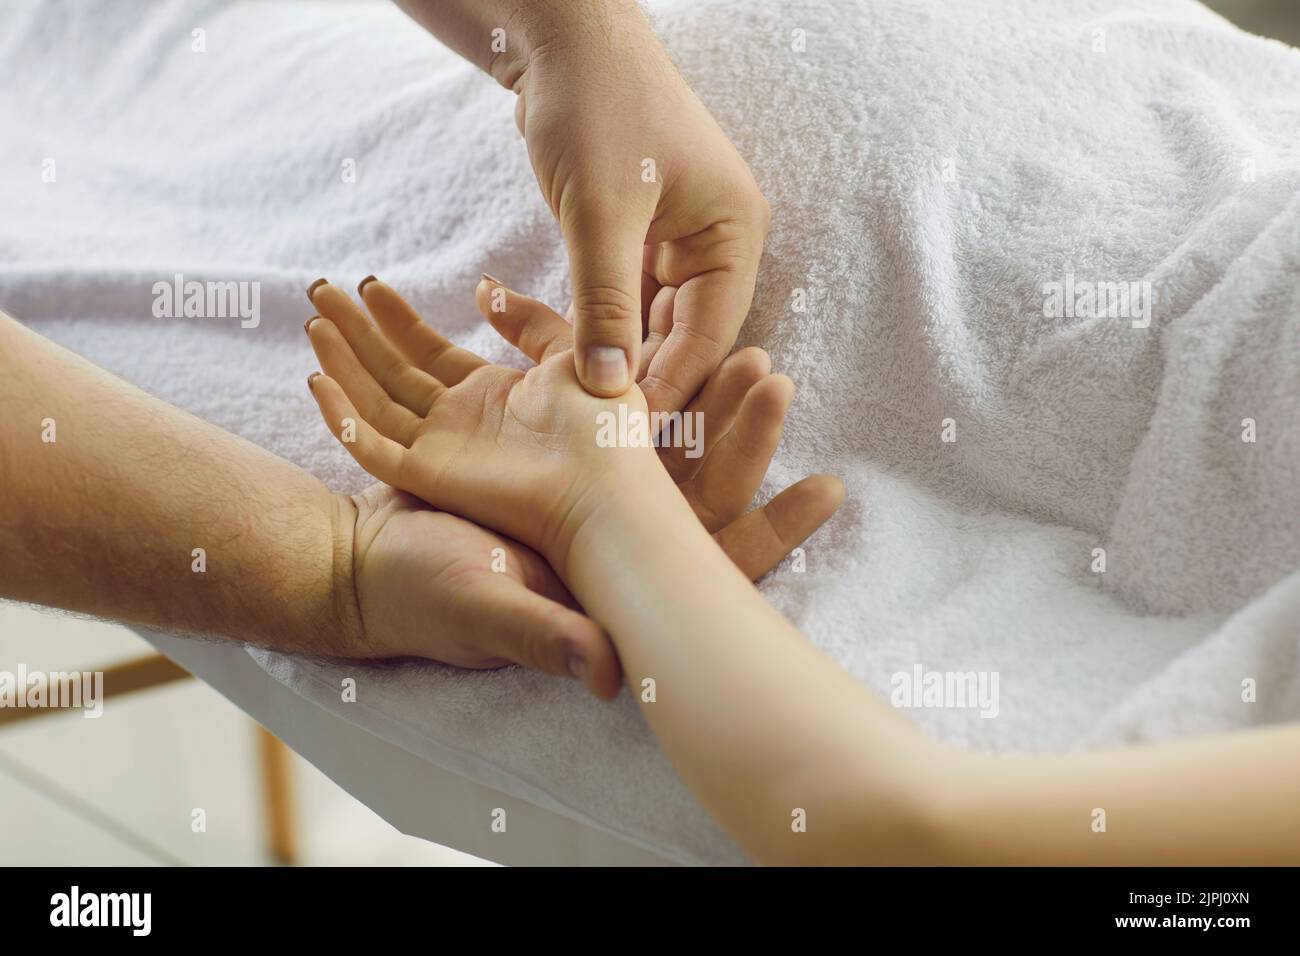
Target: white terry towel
x=934, y=169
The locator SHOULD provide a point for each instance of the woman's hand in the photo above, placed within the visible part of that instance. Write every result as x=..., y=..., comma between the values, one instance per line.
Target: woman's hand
x=450, y=603
x=743, y=408
x=510, y=450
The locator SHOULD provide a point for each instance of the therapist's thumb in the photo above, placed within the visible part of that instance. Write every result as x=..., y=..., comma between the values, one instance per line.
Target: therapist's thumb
x=606, y=244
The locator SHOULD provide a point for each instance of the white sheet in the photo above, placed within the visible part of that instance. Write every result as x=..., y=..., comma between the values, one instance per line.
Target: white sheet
x=931, y=167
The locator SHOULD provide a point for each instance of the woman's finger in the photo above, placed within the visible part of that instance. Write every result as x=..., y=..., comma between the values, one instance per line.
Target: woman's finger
x=380, y=456
x=759, y=541
x=412, y=387
x=421, y=344
x=341, y=364
x=527, y=324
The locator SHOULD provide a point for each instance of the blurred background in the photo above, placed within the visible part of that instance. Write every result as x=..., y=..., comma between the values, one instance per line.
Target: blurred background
x=1279, y=19
x=120, y=790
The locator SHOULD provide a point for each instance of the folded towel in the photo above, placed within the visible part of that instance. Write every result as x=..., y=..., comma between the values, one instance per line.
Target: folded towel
x=1033, y=267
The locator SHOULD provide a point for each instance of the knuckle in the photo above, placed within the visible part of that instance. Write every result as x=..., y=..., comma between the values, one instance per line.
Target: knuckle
x=751, y=362
x=701, y=343
x=534, y=645
x=662, y=393
x=431, y=354
x=600, y=202
x=606, y=307
x=544, y=645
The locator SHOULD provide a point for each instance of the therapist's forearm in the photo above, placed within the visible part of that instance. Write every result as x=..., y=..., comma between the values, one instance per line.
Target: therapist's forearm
x=116, y=504
x=501, y=36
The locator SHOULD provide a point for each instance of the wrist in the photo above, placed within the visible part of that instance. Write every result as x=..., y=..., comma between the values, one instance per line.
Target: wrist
x=619, y=479
x=348, y=637
x=564, y=35
x=631, y=523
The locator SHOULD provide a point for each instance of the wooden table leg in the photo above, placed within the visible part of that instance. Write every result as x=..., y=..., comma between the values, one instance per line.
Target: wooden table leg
x=277, y=782
x=139, y=674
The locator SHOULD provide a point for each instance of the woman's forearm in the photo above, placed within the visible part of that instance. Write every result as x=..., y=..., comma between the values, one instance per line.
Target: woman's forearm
x=794, y=756
x=1227, y=799
x=762, y=725
x=119, y=505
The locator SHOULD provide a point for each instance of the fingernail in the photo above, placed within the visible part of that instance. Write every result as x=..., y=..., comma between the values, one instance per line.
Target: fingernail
x=306, y=326
x=578, y=668
x=492, y=279
x=361, y=289
x=607, y=368
x=311, y=380
x=314, y=286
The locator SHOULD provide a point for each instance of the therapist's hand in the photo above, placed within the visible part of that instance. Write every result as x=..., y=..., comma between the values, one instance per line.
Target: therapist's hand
x=662, y=219
x=430, y=584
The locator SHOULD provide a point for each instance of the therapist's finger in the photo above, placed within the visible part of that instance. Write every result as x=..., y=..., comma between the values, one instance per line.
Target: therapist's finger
x=410, y=386
x=537, y=632
x=734, y=470
x=715, y=409
x=759, y=541
x=527, y=324
x=659, y=322
x=714, y=272
x=421, y=344
x=380, y=456
x=649, y=291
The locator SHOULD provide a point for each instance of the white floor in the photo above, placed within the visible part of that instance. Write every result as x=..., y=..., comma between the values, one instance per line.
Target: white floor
x=122, y=789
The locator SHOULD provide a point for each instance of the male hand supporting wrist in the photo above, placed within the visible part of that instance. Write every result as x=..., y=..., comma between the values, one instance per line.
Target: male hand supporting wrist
x=139, y=512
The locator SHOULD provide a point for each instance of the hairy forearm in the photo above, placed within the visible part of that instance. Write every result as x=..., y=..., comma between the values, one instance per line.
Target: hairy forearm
x=501, y=36
x=119, y=505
